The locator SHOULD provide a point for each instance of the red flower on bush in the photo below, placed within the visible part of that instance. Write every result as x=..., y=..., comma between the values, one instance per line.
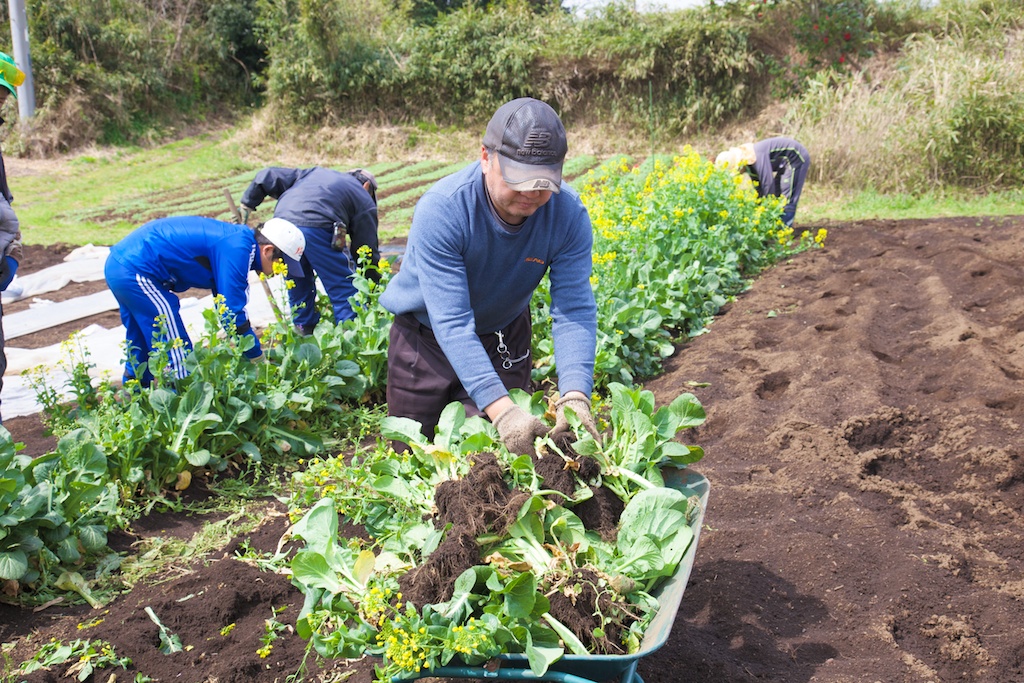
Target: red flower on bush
x=846, y=36
x=842, y=58
x=826, y=40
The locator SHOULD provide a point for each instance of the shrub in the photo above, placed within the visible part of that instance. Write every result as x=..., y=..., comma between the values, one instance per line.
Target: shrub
x=677, y=70
x=832, y=31
x=674, y=239
x=950, y=113
x=115, y=71
x=467, y=63
x=326, y=58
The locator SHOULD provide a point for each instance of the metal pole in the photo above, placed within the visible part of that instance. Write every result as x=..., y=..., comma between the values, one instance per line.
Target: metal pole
x=19, y=37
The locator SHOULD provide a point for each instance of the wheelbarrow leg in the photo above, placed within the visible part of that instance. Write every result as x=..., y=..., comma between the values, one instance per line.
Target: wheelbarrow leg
x=630, y=675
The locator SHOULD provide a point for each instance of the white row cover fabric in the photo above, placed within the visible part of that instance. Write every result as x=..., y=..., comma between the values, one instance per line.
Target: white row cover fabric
x=84, y=264
x=43, y=314
x=104, y=347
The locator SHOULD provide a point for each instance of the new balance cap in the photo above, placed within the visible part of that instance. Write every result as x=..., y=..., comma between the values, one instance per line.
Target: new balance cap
x=530, y=141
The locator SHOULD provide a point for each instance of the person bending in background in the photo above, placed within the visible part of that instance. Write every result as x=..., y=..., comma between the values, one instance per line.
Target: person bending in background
x=480, y=242
x=777, y=166
x=337, y=214
x=181, y=252
x=10, y=232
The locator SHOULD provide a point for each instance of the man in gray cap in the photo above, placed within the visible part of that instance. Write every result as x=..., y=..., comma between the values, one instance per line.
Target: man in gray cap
x=337, y=214
x=481, y=241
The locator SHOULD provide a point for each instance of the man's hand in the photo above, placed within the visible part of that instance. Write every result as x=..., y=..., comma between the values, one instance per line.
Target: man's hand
x=580, y=405
x=15, y=249
x=246, y=210
x=518, y=429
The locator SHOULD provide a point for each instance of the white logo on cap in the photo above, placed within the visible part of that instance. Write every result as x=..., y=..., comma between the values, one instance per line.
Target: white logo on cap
x=541, y=184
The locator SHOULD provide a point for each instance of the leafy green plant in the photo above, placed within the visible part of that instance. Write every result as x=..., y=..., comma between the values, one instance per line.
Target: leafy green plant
x=919, y=133
x=53, y=509
x=88, y=657
x=364, y=340
x=389, y=493
x=272, y=630
x=226, y=407
x=674, y=239
x=62, y=406
x=503, y=603
x=169, y=640
x=643, y=439
x=73, y=582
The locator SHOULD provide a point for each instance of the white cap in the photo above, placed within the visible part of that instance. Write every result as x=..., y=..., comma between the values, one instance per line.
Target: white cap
x=289, y=239
x=737, y=156
x=285, y=236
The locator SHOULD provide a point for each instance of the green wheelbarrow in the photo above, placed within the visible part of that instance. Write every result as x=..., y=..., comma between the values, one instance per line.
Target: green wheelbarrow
x=601, y=668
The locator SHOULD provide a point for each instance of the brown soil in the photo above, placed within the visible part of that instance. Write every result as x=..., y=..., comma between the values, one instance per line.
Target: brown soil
x=864, y=407
x=478, y=503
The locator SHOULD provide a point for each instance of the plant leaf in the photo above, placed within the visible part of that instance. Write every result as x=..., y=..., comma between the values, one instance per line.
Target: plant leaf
x=13, y=564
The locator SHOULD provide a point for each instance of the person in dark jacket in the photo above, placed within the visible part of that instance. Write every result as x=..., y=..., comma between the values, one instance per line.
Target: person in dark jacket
x=10, y=231
x=181, y=252
x=778, y=166
x=337, y=213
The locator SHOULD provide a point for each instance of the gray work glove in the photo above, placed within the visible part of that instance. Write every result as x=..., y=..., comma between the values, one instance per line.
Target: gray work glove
x=518, y=429
x=581, y=406
x=246, y=210
x=14, y=249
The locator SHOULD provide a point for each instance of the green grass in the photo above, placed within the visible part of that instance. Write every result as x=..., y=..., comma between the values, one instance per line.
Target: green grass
x=99, y=198
x=820, y=204
x=93, y=198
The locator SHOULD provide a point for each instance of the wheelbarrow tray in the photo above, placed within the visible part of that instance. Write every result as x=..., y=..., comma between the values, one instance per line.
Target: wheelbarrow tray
x=599, y=668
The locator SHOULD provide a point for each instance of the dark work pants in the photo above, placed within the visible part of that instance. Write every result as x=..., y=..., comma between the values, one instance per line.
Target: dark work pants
x=421, y=381
x=334, y=268
x=789, y=183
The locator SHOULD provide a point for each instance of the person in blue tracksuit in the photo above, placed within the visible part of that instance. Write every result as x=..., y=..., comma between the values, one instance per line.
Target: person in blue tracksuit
x=174, y=254
x=337, y=213
x=778, y=166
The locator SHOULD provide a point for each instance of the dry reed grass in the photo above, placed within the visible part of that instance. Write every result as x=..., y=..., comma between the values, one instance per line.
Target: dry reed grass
x=890, y=127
